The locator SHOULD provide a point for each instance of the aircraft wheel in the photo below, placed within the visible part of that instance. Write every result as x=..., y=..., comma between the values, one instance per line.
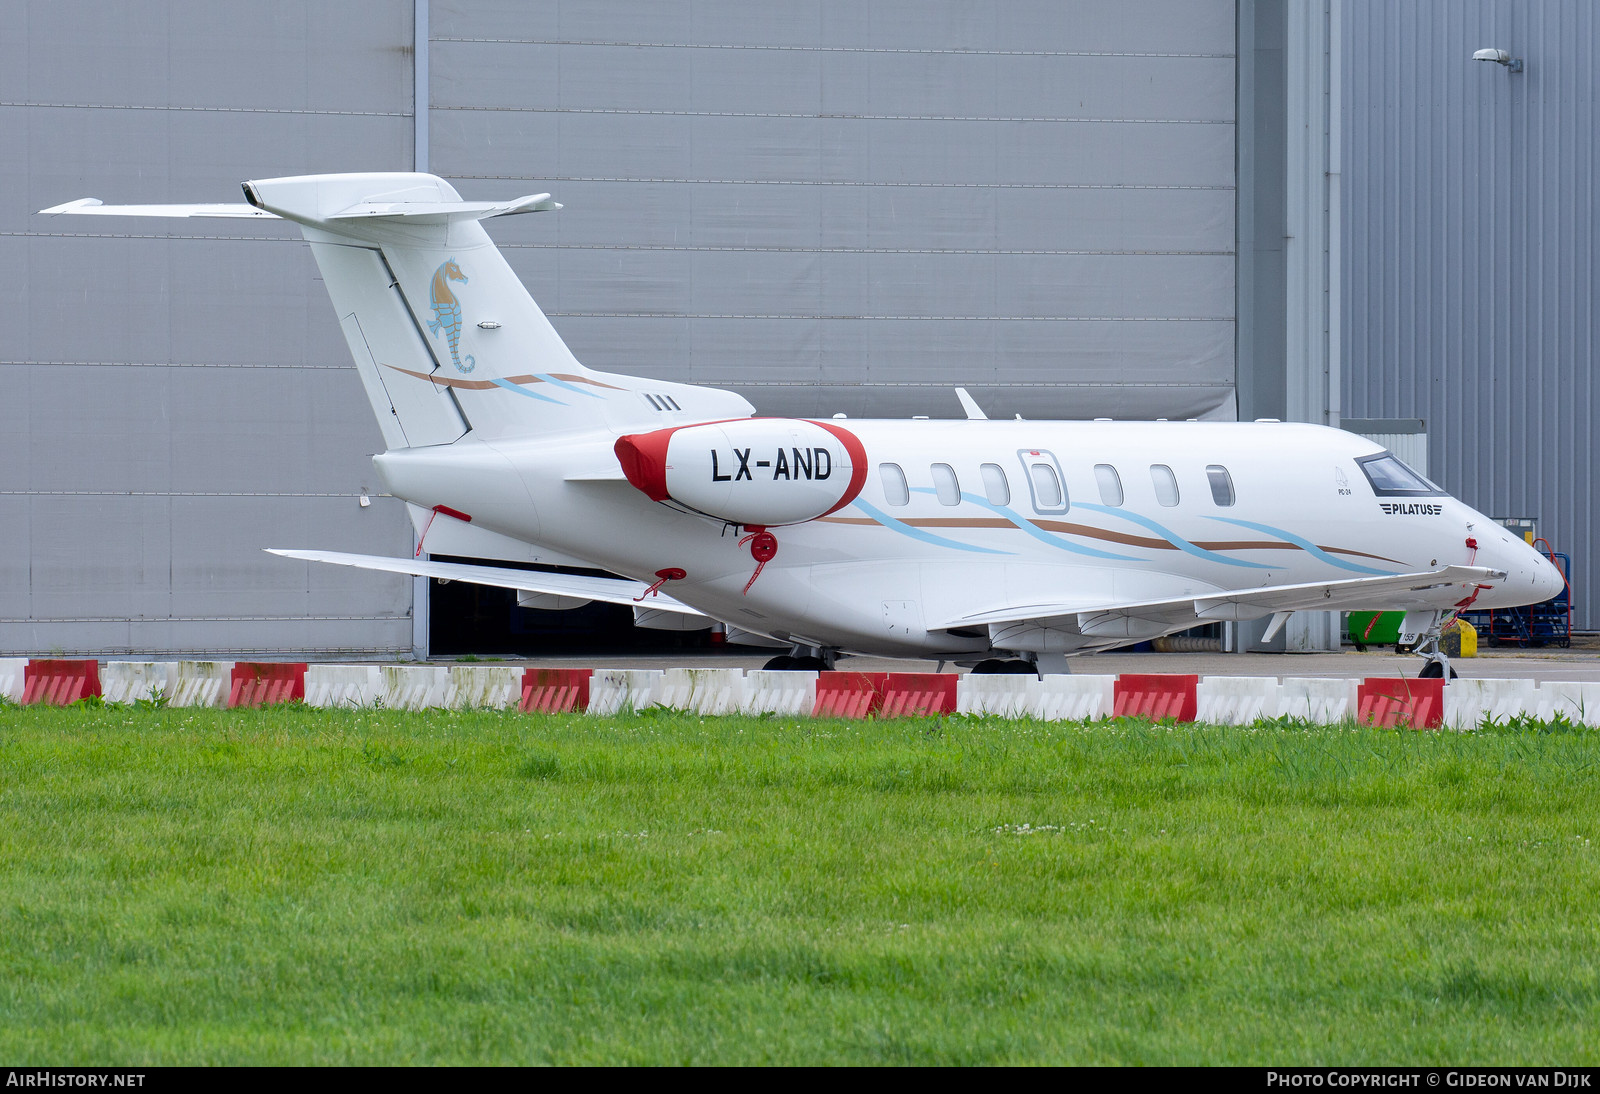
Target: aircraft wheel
x=995, y=666
x=807, y=664
x=1435, y=671
x=779, y=664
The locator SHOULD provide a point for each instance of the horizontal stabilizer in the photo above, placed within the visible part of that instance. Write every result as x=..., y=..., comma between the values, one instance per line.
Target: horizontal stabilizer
x=441, y=212
x=1388, y=592
x=416, y=212
x=608, y=590
x=95, y=207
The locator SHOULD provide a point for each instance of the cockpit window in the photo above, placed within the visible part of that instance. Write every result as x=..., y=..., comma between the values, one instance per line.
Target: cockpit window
x=1390, y=478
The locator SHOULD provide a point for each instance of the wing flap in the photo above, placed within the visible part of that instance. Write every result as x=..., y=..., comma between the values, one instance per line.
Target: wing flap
x=608, y=590
x=1389, y=592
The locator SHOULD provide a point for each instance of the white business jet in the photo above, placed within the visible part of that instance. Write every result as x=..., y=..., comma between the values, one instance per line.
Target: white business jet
x=1010, y=545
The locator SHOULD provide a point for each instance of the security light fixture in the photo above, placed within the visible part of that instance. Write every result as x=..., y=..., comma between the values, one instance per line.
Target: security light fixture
x=1499, y=57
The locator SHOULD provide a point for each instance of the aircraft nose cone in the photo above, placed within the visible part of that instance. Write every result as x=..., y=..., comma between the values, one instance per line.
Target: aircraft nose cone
x=1547, y=579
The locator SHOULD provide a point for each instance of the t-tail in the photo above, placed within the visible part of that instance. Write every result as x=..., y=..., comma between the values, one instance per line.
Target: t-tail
x=445, y=337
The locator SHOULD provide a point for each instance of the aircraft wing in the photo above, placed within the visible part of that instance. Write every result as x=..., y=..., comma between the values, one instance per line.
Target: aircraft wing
x=608, y=590
x=1354, y=593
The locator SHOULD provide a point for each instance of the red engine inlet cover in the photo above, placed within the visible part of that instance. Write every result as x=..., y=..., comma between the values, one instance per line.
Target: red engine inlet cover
x=753, y=471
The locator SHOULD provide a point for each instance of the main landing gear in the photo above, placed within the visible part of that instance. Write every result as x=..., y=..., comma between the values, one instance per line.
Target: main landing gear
x=1011, y=666
x=803, y=659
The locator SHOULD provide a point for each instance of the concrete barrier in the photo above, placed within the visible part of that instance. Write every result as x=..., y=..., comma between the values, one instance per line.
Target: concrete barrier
x=137, y=681
x=623, y=691
x=1074, y=698
x=555, y=691
x=344, y=686
x=702, y=691
x=1314, y=699
x=475, y=687
x=264, y=683
x=1236, y=700
x=848, y=694
x=415, y=687
x=201, y=684
x=779, y=692
x=1576, y=701
x=1470, y=703
x=57, y=682
x=1002, y=695
x=917, y=694
x=1400, y=703
x=13, y=671
x=1156, y=696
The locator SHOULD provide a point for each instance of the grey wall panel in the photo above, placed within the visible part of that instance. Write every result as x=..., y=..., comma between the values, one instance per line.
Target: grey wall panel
x=1471, y=243
x=848, y=195
x=200, y=54
x=923, y=218
x=184, y=402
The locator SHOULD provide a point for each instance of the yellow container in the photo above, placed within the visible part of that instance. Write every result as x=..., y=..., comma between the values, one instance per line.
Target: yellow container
x=1460, y=639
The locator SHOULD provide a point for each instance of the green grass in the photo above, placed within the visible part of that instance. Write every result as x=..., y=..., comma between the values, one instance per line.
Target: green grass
x=278, y=886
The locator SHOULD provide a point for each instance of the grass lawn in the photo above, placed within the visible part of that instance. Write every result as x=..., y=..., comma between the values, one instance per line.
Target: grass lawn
x=288, y=885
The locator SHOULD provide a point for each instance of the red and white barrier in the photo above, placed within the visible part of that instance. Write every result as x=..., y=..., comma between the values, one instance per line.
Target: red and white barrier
x=1156, y=696
x=1399, y=703
x=1469, y=703
x=848, y=694
x=137, y=681
x=1317, y=700
x=1003, y=695
x=202, y=683
x=779, y=692
x=1236, y=700
x=555, y=691
x=702, y=691
x=264, y=683
x=345, y=686
x=493, y=687
x=623, y=691
x=1572, y=700
x=1075, y=698
x=57, y=682
x=1464, y=704
x=12, y=670
x=415, y=687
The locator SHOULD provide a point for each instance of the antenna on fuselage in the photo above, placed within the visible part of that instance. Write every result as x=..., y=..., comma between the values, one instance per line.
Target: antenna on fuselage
x=970, y=405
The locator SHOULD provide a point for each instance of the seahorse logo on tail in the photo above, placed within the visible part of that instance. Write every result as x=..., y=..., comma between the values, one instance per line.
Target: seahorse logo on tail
x=447, y=312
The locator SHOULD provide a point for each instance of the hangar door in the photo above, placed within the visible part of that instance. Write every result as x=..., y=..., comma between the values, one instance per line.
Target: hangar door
x=852, y=207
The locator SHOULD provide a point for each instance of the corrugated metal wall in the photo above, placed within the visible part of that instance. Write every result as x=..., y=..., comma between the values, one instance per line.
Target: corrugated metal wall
x=1470, y=251
x=838, y=205
x=177, y=394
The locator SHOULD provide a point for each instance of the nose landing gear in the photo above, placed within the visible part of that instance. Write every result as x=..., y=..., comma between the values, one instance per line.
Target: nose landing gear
x=1426, y=645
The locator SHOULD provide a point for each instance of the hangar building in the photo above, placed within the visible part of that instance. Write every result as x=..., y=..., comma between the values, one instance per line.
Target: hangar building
x=1074, y=209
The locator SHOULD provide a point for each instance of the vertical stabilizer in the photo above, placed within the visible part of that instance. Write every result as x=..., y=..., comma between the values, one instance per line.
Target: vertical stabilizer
x=446, y=336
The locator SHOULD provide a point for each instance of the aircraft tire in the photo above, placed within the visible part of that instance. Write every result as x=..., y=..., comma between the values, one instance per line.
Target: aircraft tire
x=808, y=664
x=1435, y=671
x=996, y=666
x=783, y=663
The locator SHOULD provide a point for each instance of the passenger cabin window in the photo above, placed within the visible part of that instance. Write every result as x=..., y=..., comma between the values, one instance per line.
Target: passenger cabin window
x=1046, y=485
x=895, y=490
x=1110, y=484
x=1221, y=484
x=995, y=485
x=1391, y=478
x=945, y=486
x=1166, y=484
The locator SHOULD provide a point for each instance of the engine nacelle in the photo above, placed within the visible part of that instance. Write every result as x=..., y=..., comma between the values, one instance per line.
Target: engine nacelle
x=759, y=472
